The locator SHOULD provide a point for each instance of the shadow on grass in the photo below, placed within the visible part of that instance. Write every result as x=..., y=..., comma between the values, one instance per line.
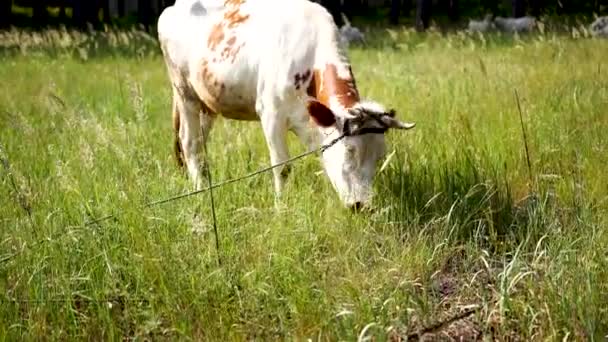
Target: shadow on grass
x=462, y=197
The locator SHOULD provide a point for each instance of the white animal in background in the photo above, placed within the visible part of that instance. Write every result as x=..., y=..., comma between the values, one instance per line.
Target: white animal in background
x=512, y=25
x=484, y=25
x=350, y=34
x=599, y=28
x=243, y=61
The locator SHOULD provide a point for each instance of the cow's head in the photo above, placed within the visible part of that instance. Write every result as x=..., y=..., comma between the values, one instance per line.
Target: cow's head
x=351, y=162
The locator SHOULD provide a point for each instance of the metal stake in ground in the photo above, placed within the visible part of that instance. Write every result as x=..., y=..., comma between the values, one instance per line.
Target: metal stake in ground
x=210, y=187
x=523, y=130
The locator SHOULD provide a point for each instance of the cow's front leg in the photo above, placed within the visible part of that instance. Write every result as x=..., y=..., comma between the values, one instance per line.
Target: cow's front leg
x=191, y=139
x=206, y=121
x=275, y=131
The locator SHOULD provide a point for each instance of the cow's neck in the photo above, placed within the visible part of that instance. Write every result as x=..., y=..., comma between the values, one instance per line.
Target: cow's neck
x=334, y=83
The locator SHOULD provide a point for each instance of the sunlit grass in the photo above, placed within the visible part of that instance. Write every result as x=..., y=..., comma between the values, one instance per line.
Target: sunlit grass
x=459, y=221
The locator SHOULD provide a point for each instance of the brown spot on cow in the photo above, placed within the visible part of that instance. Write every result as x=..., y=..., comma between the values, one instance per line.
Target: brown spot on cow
x=212, y=83
x=330, y=84
x=231, y=41
x=225, y=53
x=235, y=52
x=216, y=36
x=235, y=18
x=306, y=75
x=234, y=2
x=230, y=51
x=301, y=79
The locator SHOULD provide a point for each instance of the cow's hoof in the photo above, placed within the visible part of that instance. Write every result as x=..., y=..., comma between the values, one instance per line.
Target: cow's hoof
x=279, y=204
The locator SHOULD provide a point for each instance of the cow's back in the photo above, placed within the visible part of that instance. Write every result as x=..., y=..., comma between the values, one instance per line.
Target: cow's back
x=234, y=53
x=182, y=26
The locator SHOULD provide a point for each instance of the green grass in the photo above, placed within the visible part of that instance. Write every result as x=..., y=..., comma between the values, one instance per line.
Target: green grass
x=85, y=124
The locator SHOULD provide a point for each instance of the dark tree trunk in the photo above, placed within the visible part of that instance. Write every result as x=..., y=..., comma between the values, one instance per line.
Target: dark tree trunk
x=518, y=8
x=559, y=7
x=105, y=7
x=423, y=14
x=78, y=18
x=165, y=3
x=85, y=12
x=39, y=13
x=536, y=7
x=121, y=8
x=144, y=13
x=491, y=5
x=363, y=6
x=350, y=9
x=406, y=7
x=581, y=6
x=453, y=10
x=93, y=12
x=335, y=8
x=6, y=12
x=395, y=12
x=63, y=14
x=599, y=4
x=357, y=7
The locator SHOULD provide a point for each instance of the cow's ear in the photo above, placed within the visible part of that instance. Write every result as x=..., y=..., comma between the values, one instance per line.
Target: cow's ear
x=322, y=115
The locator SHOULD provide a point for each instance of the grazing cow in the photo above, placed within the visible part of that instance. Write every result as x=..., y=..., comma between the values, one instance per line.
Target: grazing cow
x=484, y=25
x=513, y=25
x=280, y=63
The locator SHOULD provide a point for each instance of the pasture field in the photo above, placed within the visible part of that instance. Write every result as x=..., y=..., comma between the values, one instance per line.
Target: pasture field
x=466, y=241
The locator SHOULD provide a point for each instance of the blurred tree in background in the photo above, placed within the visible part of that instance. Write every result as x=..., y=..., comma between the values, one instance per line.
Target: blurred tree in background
x=5, y=13
x=423, y=14
x=79, y=13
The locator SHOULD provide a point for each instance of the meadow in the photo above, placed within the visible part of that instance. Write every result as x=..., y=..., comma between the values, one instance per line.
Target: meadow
x=468, y=240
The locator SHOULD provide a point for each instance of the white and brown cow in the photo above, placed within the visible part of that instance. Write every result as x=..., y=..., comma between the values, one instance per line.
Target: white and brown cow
x=280, y=63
